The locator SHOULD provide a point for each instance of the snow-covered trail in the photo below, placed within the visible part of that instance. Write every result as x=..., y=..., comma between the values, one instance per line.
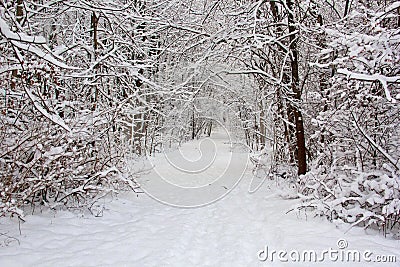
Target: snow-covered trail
x=140, y=231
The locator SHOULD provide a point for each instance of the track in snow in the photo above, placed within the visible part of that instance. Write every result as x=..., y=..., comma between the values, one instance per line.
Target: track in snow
x=140, y=231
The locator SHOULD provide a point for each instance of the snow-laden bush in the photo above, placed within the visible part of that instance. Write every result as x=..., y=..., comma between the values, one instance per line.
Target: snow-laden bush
x=350, y=196
x=354, y=176
x=42, y=163
x=66, y=119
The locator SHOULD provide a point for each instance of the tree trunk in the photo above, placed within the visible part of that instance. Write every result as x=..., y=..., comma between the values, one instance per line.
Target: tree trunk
x=398, y=17
x=19, y=16
x=193, y=125
x=289, y=131
x=301, y=146
x=346, y=8
x=94, y=23
x=262, y=129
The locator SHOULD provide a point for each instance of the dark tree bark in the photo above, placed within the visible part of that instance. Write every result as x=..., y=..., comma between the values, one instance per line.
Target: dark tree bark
x=346, y=8
x=301, y=146
x=398, y=17
x=19, y=16
x=94, y=22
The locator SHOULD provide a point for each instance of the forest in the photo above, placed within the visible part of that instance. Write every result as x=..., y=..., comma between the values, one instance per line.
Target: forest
x=311, y=88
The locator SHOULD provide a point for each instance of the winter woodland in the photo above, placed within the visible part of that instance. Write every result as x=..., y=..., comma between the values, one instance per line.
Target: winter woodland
x=309, y=88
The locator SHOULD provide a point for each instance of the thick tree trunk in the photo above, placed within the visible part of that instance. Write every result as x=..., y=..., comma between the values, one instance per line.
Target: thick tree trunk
x=209, y=128
x=301, y=146
x=94, y=22
x=346, y=8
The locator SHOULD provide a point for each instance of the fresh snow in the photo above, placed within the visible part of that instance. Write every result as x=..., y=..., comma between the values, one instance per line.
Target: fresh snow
x=28, y=43
x=6, y=32
x=138, y=230
x=374, y=77
x=53, y=117
x=41, y=54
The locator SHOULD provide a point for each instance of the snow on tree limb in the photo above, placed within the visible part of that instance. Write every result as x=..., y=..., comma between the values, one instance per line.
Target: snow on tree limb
x=52, y=117
x=374, y=144
x=384, y=80
x=41, y=54
x=29, y=44
x=21, y=37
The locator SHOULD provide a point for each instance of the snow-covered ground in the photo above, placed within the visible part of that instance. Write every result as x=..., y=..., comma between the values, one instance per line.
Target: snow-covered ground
x=235, y=230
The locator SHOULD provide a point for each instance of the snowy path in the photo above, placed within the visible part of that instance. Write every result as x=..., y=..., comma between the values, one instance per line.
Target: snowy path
x=139, y=231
